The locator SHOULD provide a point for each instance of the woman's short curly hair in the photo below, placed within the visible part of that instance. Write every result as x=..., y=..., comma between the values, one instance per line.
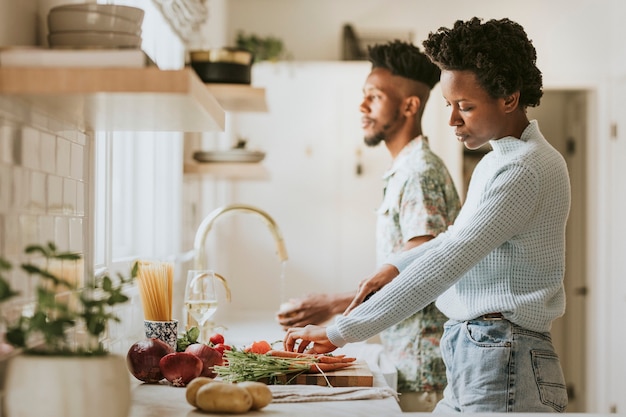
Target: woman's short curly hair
x=406, y=60
x=497, y=51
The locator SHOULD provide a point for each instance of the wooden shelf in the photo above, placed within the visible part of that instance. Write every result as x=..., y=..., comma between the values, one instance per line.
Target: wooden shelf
x=118, y=99
x=239, y=97
x=228, y=170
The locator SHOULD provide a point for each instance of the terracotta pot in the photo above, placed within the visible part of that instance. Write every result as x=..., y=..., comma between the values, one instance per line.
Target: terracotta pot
x=67, y=386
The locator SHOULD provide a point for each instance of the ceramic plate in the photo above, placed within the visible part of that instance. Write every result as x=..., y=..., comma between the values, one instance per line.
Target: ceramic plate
x=232, y=155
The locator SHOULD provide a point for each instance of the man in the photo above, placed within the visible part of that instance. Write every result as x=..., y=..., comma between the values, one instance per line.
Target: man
x=419, y=202
x=497, y=273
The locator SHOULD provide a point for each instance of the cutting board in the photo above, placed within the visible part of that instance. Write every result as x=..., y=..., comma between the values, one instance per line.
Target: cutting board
x=358, y=375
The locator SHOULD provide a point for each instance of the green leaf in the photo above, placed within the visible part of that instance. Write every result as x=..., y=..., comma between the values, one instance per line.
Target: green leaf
x=107, y=284
x=16, y=337
x=5, y=265
x=30, y=249
x=68, y=256
x=6, y=292
x=188, y=338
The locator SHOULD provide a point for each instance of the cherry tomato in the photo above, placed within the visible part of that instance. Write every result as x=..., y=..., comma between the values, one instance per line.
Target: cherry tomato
x=216, y=339
x=260, y=346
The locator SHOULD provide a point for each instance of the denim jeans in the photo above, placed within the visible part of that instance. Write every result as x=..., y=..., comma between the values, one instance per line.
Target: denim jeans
x=497, y=366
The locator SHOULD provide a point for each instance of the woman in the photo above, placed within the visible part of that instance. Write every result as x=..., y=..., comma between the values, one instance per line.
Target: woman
x=497, y=273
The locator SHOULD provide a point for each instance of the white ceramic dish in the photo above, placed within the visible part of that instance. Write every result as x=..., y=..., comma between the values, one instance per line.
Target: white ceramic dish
x=85, y=20
x=232, y=155
x=93, y=39
x=127, y=12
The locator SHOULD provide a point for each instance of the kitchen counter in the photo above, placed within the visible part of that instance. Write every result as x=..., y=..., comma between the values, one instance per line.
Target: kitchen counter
x=162, y=400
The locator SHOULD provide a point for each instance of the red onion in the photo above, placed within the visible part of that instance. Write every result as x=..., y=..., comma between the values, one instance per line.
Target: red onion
x=180, y=367
x=209, y=357
x=143, y=359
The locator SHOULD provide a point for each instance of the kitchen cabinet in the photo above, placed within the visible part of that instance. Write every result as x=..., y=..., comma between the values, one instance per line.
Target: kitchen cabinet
x=118, y=99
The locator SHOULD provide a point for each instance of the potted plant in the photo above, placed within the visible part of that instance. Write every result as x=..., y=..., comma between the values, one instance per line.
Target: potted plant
x=60, y=354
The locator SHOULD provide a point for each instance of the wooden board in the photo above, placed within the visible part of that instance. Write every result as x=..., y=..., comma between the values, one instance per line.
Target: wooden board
x=358, y=375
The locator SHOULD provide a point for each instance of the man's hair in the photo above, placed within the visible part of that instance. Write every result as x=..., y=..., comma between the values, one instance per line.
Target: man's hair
x=498, y=52
x=405, y=60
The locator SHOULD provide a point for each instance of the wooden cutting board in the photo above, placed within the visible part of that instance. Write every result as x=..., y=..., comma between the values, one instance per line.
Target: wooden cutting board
x=358, y=375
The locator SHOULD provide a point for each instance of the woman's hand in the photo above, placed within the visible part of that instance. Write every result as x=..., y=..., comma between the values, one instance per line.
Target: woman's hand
x=369, y=286
x=309, y=339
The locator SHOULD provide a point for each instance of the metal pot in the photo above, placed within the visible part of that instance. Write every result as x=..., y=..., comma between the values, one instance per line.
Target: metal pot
x=222, y=65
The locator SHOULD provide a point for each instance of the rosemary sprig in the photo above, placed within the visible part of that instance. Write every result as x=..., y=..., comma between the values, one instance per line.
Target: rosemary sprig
x=246, y=366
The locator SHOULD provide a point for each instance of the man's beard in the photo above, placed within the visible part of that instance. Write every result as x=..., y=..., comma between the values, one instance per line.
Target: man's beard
x=374, y=140
x=381, y=136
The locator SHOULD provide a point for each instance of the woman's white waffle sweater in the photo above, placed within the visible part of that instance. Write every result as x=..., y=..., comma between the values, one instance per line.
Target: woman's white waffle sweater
x=505, y=252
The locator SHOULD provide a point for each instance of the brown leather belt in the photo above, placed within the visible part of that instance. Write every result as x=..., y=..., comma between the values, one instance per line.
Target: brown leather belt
x=491, y=316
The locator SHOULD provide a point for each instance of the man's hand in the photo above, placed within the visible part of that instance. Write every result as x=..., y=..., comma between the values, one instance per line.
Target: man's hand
x=309, y=339
x=312, y=309
x=369, y=286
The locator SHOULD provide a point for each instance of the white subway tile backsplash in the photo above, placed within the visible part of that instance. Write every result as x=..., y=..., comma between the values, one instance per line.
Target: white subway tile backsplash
x=12, y=240
x=55, y=194
x=62, y=233
x=37, y=192
x=29, y=230
x=47, y=154
x=46, y=229
x=8, y=135
x=6, y=183
x=80, y=198
x=76, y=234
x=43, y=191
x=19, y=189
x=69, y=196
x=30, y=148
x=22, y=283
x=77, y=162
x=63, y=157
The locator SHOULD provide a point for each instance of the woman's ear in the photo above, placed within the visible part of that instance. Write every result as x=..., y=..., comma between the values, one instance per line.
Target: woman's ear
x=511, y=102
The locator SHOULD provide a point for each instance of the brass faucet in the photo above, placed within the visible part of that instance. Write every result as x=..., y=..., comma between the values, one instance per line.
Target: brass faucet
x=207, y=223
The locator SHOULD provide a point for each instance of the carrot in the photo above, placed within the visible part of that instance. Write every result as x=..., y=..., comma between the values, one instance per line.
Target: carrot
x=334, y=359
x=317, y=368
x=288, y=354
x=320, y=358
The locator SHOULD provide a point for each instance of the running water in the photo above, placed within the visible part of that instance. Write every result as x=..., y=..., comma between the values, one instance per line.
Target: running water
x=283, y=284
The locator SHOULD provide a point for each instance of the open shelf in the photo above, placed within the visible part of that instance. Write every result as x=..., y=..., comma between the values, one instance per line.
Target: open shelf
x=239, y=97
x=118, y=99
x=228, y=170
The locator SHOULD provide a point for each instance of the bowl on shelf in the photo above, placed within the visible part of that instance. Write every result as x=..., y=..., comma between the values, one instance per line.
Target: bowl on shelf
x=94, y=39
x=134, y=14
x=222, y=65
x=70, y=20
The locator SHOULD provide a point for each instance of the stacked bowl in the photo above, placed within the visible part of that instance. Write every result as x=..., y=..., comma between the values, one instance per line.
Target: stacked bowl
x=92, y=25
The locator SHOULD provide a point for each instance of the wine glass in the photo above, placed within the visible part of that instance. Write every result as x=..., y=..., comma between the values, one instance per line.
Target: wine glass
x=200, y=299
